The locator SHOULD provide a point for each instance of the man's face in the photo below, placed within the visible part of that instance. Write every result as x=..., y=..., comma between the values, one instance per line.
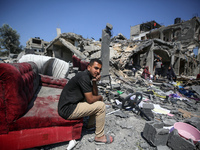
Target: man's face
x=95, y=69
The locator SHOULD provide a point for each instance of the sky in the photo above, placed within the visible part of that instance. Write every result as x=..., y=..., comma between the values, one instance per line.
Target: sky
x=40, y=18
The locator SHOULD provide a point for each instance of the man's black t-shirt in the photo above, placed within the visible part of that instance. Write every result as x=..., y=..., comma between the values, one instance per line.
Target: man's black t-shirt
x=73, y=93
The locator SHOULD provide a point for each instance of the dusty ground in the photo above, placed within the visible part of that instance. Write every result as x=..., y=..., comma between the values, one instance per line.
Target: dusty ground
x=127, y=126
x=126, y=132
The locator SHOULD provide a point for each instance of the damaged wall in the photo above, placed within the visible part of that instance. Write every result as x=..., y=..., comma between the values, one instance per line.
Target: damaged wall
x=174, y=43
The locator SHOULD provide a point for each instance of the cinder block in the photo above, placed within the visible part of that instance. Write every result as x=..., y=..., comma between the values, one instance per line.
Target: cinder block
x=148, y=106
x=123, y=96
x=148, y=112
x=154, y=133
x=114, y=94
x=116, y=86
x=176, y=142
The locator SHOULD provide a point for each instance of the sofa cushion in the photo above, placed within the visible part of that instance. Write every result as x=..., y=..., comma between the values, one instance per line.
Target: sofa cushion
x=19, y=82
x=43, y=112
x=76, y=61
x=52, y=81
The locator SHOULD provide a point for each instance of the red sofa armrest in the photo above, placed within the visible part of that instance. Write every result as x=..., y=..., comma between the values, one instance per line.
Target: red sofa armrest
x=52, y=81
x=19, y=82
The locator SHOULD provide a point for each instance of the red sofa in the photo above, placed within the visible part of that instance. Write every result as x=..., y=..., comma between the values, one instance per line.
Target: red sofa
x=28, y=109
x=81, y=64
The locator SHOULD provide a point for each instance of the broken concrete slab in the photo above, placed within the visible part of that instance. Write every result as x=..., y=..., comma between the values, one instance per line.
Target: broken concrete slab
x=72, y=48
x=155, y=134
x=176, y=142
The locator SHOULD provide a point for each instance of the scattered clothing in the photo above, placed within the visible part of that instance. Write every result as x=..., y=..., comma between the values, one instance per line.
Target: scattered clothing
x=146, y=74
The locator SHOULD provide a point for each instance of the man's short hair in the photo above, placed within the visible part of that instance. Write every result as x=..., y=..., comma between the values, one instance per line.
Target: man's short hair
x=95, y=60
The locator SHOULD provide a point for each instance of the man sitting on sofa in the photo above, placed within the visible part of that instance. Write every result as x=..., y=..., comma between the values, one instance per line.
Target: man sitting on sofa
x=80, y=98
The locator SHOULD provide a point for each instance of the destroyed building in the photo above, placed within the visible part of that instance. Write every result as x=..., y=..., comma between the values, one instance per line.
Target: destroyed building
x=174, y=43
x=64, y=46
x=36, y=45
x=186, y=36
x=162, y=102
x=139, y=32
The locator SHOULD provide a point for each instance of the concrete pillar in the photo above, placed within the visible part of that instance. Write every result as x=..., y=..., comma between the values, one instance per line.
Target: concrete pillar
x=161, y=35
x=171, y=35
x=58, y=31
x=150, y=59
x=172, y=59
x=105, y=50
x=198, y=56
x=176, y=65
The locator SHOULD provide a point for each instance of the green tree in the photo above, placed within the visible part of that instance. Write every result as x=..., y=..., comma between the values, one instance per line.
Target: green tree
x=9, y=39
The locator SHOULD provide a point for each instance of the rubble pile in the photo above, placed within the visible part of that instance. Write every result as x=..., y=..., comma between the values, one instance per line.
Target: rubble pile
x=146, y=123
x=141, y=112
x=149, y=123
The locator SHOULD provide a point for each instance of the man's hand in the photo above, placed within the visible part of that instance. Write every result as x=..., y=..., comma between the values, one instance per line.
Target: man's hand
x=98, y=77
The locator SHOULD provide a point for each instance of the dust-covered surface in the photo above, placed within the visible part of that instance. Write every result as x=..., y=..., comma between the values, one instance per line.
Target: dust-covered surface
x=127, y=125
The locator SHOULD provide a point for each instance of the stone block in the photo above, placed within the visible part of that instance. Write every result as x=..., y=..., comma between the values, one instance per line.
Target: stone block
x=148, y=106
x=155, y=134
x=116, y=86
x=123, y=96
x=109, y=26
x=176, y=142
x=148, y=112
x=114, y=94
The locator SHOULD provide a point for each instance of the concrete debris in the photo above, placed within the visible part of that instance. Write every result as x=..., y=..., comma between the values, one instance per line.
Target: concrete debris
x=155, y=133
x=163, y=101
x=176, y=142
x=121, y=51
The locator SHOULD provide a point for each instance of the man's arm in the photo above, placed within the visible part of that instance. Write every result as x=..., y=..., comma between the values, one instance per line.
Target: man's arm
x=94, y=88
x=93, y=96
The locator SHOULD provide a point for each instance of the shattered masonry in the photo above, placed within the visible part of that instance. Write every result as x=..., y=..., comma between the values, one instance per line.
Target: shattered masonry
x=174, y=43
